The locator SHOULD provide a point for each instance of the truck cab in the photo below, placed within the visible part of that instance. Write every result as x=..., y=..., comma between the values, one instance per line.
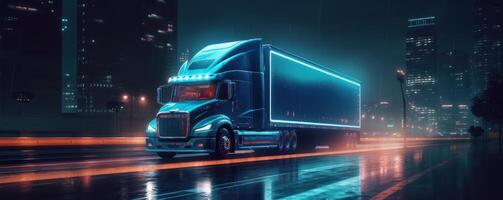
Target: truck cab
x=212, y=95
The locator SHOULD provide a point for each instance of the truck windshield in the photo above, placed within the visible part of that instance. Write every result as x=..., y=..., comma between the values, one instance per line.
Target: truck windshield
x=193, y=92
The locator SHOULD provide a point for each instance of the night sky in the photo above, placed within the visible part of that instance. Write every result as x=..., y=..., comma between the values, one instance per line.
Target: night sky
x=363, y=39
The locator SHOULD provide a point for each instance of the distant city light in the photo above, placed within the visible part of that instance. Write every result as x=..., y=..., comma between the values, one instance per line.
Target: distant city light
x=384, y=103
x=125, y=97
x=22, y=8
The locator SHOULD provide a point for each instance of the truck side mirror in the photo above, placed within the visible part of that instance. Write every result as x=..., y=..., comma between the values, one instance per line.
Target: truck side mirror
x=164, y=94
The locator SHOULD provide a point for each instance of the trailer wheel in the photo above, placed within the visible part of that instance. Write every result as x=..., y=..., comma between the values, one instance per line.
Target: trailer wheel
x=293, y=141
x=166, y=155
x=288, y=140
x=282, y=141
x=223, y=143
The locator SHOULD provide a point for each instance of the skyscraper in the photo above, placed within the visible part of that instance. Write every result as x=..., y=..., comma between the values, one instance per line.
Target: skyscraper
x=488, y=38
x=29, y=54
x=120, y=46
x=159, y=39
x=421, y=80
x=95, y=85
x=69, y=56
x=86, y=74
x=454, y=77
x=454, y=90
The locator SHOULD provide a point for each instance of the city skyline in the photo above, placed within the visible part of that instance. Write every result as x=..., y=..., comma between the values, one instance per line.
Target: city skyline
x=251, y=99
x=112, y=70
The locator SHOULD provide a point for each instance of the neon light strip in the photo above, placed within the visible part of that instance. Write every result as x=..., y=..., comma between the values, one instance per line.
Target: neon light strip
x=317, y=69
x=313, y=123
x=191, y=77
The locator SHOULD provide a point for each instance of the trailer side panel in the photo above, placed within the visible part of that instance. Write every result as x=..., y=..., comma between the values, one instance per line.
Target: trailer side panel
x=305, y=95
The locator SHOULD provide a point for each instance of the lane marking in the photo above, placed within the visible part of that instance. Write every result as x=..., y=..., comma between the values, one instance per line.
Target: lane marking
x=400, y=185
x=37, y=176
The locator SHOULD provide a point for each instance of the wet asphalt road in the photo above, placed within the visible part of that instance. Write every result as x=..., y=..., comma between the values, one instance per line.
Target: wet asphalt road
x=456, y=170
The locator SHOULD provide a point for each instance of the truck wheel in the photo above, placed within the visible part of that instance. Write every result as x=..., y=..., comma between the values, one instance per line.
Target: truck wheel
x=287, y=141
x=282, y=141
x=293, y=141
x=223, y=143
x=166, y=155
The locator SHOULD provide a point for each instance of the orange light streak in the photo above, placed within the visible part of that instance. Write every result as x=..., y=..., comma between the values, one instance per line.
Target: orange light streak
x=37, y=176
x=69, y=141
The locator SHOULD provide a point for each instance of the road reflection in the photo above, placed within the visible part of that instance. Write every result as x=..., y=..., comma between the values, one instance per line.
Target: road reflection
x=351, y=174
x=268, y=184
x=203, y=187
x=150, y=190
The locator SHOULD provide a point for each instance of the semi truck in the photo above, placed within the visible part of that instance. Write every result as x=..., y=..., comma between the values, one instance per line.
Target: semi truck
x=250, y=95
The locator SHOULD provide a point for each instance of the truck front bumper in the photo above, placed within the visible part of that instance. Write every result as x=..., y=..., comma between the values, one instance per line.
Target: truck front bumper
x=193, y=145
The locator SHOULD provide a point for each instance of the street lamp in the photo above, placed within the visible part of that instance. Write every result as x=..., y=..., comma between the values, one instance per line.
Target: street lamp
x=400, y=76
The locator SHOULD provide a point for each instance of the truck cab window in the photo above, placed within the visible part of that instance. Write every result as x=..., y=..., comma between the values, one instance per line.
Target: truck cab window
x=193, y=92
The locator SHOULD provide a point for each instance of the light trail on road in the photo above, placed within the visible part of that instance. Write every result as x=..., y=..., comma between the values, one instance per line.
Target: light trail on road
x=37, y=176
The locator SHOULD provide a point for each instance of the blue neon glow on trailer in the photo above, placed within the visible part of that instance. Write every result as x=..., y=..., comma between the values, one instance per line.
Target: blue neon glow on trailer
x=320, y=70
x=315, y=68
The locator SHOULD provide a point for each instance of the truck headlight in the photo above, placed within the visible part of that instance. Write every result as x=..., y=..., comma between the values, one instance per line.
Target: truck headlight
x=204, y=128
x=150, y=129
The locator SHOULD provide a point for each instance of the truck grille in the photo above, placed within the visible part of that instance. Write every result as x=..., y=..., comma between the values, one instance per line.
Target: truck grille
x=173, y=125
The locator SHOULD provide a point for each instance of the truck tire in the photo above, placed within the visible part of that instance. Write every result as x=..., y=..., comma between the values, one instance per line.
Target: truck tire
x=293, y=141
x=282, y=142
x=223, y=143
x=287, y=141
x=166, y=155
